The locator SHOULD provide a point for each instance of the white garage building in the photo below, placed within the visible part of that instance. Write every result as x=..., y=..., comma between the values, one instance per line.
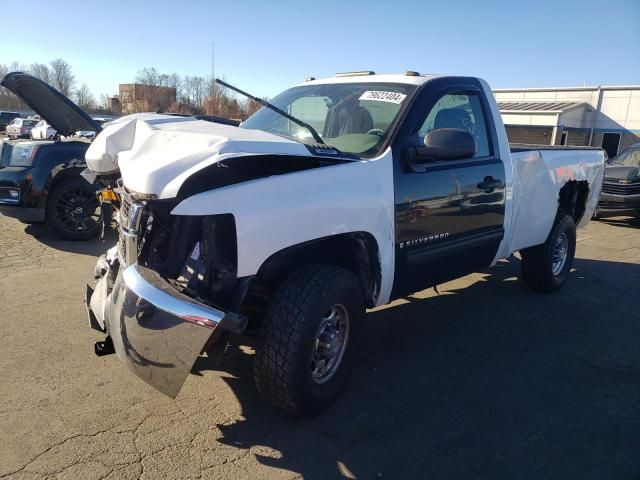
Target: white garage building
x=607, y=116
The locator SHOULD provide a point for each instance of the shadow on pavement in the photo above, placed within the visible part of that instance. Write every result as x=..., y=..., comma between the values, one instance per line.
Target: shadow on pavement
x=630, y=222
x=94, y=247
x=490, y=381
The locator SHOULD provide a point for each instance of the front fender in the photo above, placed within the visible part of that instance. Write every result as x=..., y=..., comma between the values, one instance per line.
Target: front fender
x=274, y=213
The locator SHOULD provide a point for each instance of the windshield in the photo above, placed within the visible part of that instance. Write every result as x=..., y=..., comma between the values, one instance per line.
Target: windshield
x=629, y=158
x=352, y=117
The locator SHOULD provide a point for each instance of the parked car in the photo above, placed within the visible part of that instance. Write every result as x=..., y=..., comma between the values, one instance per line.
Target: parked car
x=42, y=131
x=91, y=133
x=40, y=181
x=621, y=188
x=340, y=195
x=6, y=118
x=20, y=128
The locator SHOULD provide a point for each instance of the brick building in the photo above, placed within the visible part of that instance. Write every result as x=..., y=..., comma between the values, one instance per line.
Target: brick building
x=606, y=116
x=135, y=97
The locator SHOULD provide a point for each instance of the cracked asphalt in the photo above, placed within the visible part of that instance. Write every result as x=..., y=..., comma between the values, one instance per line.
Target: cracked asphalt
x=484, y=380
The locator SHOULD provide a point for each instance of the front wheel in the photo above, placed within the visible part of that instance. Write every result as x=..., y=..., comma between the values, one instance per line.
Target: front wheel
x=546, y=267
x=308, y=341
x=73, y=211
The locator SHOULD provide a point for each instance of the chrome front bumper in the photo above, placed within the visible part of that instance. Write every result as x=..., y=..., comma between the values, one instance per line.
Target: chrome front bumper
x=156, y=331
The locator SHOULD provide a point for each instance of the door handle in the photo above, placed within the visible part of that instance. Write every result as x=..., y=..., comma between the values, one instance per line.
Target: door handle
x=489, y=184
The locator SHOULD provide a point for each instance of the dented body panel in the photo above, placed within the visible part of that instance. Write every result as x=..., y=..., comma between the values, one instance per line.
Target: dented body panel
x=538, y=177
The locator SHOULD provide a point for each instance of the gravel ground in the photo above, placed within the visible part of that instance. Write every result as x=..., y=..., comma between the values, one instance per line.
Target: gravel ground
x=484, y=380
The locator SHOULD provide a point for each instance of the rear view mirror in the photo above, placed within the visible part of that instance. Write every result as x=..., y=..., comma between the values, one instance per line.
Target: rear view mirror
x=446, y=144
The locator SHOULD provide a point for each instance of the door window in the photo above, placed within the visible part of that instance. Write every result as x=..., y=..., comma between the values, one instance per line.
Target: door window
x=463, y=111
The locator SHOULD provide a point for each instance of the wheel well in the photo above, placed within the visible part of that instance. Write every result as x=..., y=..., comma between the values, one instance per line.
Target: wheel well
x=356, y=251
x=572, y=198
x=61, y=174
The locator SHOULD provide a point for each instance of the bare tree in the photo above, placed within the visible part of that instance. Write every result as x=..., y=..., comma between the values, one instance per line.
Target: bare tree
x=148, y=76
x=104, y=100
x=250, y=107
x=199, y=90
x=174, y=81
x=17, y=67
x=7, y=99
x=187, y=90
x=61, y=76
x=84, y=98
x=41, y=71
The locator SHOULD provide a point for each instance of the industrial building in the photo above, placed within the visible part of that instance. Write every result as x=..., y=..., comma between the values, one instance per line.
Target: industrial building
x=606, y=116
x=135, y=97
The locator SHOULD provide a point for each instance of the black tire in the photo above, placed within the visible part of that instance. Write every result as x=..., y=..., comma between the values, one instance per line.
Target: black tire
x=284, y=357
x=62, y=214
x=538, y=262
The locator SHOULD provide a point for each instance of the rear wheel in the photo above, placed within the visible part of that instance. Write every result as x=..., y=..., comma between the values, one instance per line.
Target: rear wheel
x=546, y=267
x=308, y=341
x=73, y=211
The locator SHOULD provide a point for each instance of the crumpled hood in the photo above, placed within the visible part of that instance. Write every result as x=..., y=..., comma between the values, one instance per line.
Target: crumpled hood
x=157, y=153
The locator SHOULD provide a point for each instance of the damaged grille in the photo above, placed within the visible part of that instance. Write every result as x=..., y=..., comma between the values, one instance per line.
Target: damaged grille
x=131, y=218
x=621, y=188
x=197, y=254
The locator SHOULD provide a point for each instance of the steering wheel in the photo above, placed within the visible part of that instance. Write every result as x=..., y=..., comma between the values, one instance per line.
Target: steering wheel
x=376, y=131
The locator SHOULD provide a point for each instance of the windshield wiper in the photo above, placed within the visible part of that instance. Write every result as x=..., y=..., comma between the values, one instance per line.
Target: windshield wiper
x=264, y=103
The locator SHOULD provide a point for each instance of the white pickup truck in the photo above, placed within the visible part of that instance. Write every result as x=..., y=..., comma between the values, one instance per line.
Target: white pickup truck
x=341, y=194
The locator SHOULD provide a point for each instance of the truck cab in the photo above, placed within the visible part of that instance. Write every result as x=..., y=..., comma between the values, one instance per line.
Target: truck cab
x=340, y=194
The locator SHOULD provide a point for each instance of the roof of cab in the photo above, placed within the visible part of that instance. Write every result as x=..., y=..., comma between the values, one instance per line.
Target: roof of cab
x=357, y=77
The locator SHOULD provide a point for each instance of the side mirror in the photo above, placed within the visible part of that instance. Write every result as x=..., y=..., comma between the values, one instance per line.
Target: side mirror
x=446, y=144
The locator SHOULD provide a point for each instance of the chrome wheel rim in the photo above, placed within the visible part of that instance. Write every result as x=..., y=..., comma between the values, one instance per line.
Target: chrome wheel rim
x=330, y=344
x=560, y=251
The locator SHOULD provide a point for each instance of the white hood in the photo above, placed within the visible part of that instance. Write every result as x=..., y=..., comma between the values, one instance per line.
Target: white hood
x=157, y=153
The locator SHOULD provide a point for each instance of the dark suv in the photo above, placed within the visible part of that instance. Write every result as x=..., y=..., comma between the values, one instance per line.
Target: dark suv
x=40, y=180
x=6, y=118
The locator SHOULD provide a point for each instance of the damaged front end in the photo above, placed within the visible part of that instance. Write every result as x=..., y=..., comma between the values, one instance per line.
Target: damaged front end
x=152, y=292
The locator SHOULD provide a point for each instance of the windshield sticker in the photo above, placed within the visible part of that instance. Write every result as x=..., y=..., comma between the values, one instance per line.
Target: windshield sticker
x=380, y=96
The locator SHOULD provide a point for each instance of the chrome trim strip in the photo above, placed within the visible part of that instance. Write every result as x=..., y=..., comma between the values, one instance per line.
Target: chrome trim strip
x=130, y=254
x=133, y=217
x=151, y=287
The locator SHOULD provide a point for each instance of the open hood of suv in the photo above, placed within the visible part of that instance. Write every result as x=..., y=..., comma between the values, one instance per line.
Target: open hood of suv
x=59, y=112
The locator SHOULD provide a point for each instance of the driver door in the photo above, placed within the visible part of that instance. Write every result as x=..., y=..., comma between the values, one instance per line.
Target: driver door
x=449, y=215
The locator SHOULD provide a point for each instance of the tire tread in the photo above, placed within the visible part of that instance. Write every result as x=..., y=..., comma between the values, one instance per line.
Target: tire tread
x=275, y=362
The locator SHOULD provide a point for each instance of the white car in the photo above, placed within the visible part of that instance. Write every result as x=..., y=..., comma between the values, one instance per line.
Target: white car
x=42, y=131
x=20, y=128
x=90, y=133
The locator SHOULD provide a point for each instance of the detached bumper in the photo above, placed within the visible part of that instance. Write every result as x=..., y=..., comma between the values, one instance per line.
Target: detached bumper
x=156, y=331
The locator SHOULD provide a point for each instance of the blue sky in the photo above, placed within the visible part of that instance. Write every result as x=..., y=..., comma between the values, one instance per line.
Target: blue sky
x=266, y=46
